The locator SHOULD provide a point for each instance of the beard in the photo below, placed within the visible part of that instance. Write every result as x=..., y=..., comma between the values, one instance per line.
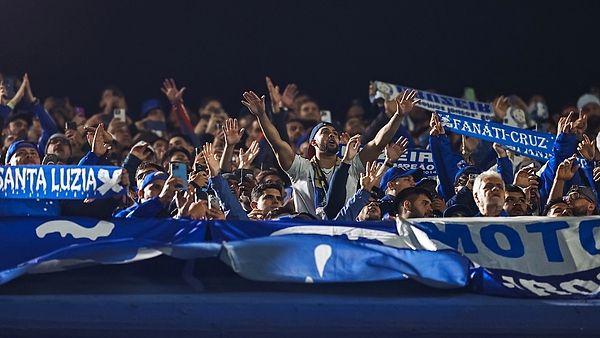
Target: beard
x=578, y=210
x=328, y=149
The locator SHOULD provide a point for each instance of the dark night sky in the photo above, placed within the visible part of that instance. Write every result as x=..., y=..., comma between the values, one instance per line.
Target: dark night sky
x=330, y=49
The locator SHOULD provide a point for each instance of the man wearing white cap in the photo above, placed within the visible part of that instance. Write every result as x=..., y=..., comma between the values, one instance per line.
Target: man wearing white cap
x=589, y=105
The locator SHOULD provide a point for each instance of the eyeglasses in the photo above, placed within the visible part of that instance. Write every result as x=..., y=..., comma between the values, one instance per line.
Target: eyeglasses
x=575, y=196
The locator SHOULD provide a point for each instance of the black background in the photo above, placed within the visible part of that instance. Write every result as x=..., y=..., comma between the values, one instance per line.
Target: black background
x=329, y=49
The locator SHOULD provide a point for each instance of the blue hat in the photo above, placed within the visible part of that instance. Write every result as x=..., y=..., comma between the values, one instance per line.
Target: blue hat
x=396, y=172
x=470, y=169
x=18, y=145
x=316, y=129
x=451, y=211
x=311, y=151
x=157, y=175
x=148, y=105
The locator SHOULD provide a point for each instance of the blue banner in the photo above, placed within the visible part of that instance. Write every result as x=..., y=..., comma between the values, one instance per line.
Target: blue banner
x=453, y=105
x=411, y=159
x=522, y=141
x=515, y=257
x=60, y=182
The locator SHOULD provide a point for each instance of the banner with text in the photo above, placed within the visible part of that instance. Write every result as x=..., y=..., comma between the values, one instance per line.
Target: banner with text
x=473, y=109
x=60, y=182
x=411, y=159
x=522, y=141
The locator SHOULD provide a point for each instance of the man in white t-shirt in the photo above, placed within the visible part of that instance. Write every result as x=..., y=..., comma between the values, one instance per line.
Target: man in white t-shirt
x=310, y=178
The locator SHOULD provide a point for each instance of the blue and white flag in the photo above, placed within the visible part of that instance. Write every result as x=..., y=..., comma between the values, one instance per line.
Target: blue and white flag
x=44, y=244
x=60, y=182
x=453, y=105
x=522, y=141
x=515, y=257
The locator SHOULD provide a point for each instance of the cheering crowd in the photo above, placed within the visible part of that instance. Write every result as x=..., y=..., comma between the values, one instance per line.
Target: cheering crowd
x=281, y=158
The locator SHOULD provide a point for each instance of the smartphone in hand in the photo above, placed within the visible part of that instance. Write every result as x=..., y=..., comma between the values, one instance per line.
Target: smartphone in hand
x=119, y=114
x=180, y=170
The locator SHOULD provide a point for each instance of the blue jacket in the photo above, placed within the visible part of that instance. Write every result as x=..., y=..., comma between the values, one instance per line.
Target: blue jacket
x=231, y=206
x=353, y=207
x=564, y=147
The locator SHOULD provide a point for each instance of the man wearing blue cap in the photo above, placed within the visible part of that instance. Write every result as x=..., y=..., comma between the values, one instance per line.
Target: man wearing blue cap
x=156, y=193
x=393, y=182
x=310, y=177
x=25, y=153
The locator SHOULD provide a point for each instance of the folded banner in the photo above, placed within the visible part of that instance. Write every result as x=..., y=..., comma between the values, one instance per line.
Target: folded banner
x=522, y=141
x=411, y=159
x=44, y=244
x=473, y=109
x=60, y=182
x=515, y=257
x=520, y=256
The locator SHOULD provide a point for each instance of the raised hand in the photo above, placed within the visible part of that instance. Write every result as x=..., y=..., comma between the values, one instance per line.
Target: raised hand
x=28, y=93
x=395, y=150
x=469, y=144
x=352, y=147
x=344, y=138
x=566, y=170
x=596, y=174
x=499, y=150
x=254, y=103
x=289, y=95
x=170, y=89
x=211, y=159
x=371, y=176
x=97, y=142
x=500, y=105
x=525, y=177
x=405, y=101
x=275, y=96
x=247, y=157
x=183, y=200
x=580, y=125
x=565, y=125
x=172, y=185
x=139, y=150
x=232, y=131
x=437, y=128
x=586, y=148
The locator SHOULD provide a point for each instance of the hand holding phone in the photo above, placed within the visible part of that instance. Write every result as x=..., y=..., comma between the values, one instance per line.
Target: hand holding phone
x=71, y=125
x=180, y=170
x=120, y=115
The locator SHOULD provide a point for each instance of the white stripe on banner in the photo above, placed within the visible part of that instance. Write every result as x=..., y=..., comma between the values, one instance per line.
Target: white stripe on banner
x=431, y=101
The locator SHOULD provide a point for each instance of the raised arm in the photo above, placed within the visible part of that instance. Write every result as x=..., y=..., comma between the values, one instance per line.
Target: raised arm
x=405, y=101
x=233, y=134
x=283, y=151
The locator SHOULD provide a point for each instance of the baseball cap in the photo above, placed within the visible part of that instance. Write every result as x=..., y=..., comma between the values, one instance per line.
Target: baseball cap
x=311, y=150
x=396, y=172
x=155, y=176
x=16, y=146
x=148, y=105
x=470, y=169
x=587, y=192
x=453, y=210
x=587, y=98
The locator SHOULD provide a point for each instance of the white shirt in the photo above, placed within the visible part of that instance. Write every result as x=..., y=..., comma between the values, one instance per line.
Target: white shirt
x=302, y=175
